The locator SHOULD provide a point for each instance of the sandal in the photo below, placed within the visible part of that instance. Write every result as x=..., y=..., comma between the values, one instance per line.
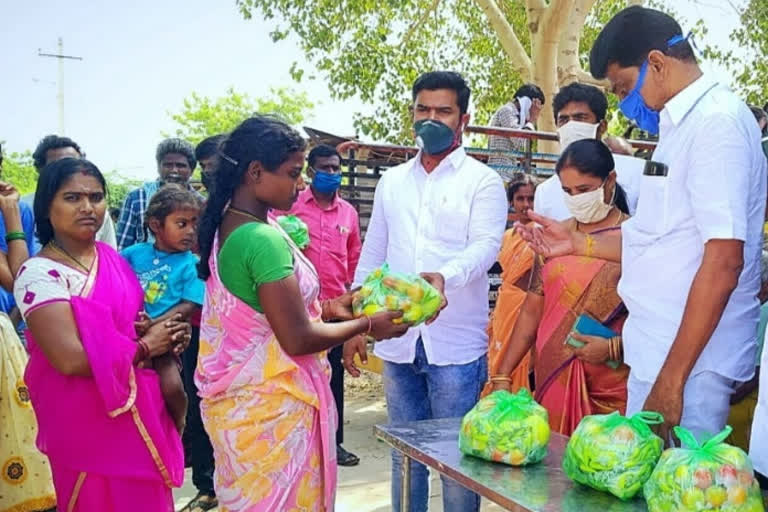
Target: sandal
x=345, y=458
x=201, y=503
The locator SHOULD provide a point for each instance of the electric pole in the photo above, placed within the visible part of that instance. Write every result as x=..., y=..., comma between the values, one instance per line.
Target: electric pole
x=60, y=56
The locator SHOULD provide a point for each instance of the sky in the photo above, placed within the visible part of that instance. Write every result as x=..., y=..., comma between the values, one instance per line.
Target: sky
x=142, y=58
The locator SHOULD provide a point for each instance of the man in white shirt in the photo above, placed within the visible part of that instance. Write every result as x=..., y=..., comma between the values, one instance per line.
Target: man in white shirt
x=53, y=148
x=691, y=254
x=580, y=114
x=521, y=113
x=441, y=214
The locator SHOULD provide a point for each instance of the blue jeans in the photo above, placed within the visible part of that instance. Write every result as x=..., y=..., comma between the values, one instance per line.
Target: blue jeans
x=423, y=391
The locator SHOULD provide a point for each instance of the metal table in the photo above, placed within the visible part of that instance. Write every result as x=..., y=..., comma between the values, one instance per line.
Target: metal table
x=540, y=487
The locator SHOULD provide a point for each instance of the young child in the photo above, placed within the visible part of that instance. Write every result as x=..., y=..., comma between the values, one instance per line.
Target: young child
x=167, y=271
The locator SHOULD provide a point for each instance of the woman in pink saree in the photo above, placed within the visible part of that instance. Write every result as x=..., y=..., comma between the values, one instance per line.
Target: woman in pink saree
x=102, y=421
x=262, y=373
x=575, y=382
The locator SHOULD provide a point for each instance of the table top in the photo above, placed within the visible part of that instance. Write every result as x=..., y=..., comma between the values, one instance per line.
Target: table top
x=540, y=487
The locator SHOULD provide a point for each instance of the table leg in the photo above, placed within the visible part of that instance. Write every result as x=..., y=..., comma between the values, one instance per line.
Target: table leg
x=405, y=488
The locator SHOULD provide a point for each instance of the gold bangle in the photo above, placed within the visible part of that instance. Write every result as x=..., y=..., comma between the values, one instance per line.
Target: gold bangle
x=589, y=250
x=501, y=378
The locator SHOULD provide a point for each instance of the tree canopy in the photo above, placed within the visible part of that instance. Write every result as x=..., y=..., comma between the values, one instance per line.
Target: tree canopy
x=748, y=64
x=201, y=116
x=19, y=170
x=375, y=51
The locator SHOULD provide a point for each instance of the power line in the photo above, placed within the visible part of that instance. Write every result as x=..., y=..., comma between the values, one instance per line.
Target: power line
x=60, y=57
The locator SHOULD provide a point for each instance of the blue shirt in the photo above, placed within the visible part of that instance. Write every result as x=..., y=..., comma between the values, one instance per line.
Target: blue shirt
x=167, y=278
x=7, y=303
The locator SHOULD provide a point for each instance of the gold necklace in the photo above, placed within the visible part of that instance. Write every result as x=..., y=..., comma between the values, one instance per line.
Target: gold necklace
x=59, y=249
x=244, y=214
x=621, y=216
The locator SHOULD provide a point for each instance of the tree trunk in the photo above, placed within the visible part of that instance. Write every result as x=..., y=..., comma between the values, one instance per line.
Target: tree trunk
x=545, y=49
x=507, y=37
x=555, y=30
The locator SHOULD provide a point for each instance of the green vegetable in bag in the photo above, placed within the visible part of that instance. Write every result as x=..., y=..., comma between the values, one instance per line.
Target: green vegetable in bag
x=296, y=229
x=387, y=291
x=507, y=428
x=613, y=453
x=713, y=476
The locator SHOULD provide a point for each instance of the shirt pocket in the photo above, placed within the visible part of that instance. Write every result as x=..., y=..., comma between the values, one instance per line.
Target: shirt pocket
x=451, y=223
x=652, y=214
x=338, y=237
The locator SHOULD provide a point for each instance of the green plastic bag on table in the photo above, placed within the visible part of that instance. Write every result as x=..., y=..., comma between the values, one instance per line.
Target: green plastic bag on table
x=713, y=476
x=296, y=229
x=506, y=427
x=613, y=453
x=384, y=290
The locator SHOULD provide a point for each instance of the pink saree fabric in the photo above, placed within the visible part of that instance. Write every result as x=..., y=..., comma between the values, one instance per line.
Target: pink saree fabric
x=566, y=386
x=270, y=416
x=108, y=437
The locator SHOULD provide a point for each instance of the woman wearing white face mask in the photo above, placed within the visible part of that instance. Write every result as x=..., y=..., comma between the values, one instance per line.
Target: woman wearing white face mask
x=574, y=382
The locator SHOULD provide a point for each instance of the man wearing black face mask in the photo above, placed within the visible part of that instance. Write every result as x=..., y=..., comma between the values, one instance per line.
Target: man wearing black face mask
x=441, y=214
x=691, y=254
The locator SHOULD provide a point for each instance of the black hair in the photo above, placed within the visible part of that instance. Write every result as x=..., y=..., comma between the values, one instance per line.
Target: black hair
x=584, y=93
x=435, y=80
x=630, y=36
x=52, y=142
x=208, y=146
x=263, y=139
x=592, y=157
x=168, y=199
x=760, y=115
x=175, y=145
x=52, y=177
x=1, y=154
x=758, y=112
x=114, y=212
x=323, y=150
x=516, y=185
x=532, y=91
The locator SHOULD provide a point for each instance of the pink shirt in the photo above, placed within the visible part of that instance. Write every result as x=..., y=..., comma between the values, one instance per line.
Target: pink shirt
x=335, y=245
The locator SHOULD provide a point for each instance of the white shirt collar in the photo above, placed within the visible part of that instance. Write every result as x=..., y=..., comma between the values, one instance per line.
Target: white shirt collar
x=679, y=106
x=455, y=160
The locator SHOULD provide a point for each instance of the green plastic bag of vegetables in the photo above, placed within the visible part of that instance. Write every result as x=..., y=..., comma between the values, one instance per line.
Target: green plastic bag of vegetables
x=613, y=453
x=507, y=428
x=296, y=229
x=384, y=290
x=713, y=476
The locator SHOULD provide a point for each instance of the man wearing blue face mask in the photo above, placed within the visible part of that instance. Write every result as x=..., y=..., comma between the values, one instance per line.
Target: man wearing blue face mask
x=334, y=248
x=441, y=214
x=691, y=254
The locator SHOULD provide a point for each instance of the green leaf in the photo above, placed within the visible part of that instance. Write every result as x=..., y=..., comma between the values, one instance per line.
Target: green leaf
x=201, y=116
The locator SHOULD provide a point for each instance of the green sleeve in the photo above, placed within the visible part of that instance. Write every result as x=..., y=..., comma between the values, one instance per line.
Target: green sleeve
x=252, y=255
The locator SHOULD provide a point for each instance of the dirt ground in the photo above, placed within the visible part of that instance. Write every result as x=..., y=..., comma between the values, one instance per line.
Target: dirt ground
x=364, y=488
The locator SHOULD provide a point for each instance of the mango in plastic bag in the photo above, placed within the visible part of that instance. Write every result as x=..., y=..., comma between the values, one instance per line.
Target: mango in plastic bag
x=384, y=290
x=613, y=453
x=296, y=229
x=506, y=427
x=712, y=476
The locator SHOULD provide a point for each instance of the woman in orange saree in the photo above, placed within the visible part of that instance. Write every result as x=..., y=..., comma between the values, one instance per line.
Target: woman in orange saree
x=516, y=260
x=574, y=382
